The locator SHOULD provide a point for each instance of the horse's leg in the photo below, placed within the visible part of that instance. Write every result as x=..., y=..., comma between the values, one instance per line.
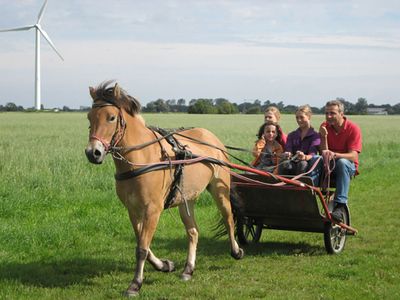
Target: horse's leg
x=220, y=189
x=146, y=229
x=163, y=265
x=193, y=237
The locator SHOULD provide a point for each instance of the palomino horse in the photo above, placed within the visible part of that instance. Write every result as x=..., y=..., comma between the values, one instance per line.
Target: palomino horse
x=117, y=127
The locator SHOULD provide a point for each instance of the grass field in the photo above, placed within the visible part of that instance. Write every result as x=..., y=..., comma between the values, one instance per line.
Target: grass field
x=65, y=235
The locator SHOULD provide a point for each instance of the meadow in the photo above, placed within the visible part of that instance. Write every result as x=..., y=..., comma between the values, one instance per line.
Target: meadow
x=65, y=235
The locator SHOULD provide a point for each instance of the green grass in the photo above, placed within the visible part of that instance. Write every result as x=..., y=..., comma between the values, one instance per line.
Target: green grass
x=65, y=235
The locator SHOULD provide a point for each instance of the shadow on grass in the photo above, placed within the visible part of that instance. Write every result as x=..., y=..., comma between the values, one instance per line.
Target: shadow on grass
x=220, y=247
x=78, y=270
x=284, y=248
x=60, y=273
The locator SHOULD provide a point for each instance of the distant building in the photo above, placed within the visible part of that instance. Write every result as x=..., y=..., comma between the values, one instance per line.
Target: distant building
x=84, y=108
x=376, y=111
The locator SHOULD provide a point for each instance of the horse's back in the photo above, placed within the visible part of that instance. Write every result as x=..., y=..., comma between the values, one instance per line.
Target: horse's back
x=204, y=143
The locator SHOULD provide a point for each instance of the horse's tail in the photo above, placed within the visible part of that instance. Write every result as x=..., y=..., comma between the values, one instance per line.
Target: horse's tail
x=237, y=210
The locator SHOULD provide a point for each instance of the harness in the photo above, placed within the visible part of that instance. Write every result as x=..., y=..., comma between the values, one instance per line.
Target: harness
x=181, y=154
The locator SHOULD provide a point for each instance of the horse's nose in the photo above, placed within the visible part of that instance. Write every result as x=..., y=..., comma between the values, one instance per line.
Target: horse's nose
x=94, y=155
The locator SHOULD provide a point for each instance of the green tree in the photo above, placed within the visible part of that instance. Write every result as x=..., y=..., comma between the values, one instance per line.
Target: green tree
x=157, y=106
x=202, y=106
x=181, y=102
x=254, y=110
x=11, y=106
x=225, y=107
x=361, y=106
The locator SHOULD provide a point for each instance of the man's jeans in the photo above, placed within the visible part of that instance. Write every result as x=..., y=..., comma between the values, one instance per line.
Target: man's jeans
x=343, y=172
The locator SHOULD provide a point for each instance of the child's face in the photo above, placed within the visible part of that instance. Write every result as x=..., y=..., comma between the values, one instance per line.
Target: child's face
x=269, y=133
x=270, y=116
x=302, y=120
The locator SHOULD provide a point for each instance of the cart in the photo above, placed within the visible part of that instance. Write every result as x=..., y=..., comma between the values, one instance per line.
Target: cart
x=268, y=203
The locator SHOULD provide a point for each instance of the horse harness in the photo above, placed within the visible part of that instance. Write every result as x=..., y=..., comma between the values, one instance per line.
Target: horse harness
x=181, y=153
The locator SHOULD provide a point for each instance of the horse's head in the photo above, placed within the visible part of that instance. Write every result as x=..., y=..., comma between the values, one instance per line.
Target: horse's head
x=107, y=123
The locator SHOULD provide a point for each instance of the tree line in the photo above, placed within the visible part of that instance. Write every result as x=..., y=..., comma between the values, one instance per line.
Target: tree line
x=224, y=106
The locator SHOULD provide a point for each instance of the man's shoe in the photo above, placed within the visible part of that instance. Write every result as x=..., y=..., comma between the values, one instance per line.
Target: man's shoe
x=337, y=213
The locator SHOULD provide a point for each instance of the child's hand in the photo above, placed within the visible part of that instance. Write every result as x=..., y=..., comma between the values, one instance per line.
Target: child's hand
x=301, y=155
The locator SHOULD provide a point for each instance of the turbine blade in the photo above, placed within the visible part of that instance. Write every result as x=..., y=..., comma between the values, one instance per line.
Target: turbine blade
x=45, y=35
x=18, y=28
x=40, y=15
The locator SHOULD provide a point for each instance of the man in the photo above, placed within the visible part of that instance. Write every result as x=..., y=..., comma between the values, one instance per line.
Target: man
x=340, y=140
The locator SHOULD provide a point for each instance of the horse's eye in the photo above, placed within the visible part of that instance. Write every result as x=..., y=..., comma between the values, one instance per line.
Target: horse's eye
x=89, y=127
x=112, y=118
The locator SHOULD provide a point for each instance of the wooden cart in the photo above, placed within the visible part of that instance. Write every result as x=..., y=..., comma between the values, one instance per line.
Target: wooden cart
x=267, y=203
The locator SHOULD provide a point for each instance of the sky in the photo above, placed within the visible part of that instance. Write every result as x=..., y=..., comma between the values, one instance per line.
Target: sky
x=298, y=52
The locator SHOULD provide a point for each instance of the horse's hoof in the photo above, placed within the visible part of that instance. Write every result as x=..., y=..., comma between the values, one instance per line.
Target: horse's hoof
x=238, y=255
x=133, y=290
x=168, y=266
x=186, y=277
x=129, y=293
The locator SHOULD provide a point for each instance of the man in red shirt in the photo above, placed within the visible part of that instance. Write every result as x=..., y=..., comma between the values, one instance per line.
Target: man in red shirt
x=342, y=140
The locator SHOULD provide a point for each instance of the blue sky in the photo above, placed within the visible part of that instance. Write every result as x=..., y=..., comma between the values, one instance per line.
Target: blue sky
x=297, y=52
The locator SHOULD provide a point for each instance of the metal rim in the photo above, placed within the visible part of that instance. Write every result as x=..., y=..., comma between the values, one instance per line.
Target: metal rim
x=335, y=236
x=249, y=230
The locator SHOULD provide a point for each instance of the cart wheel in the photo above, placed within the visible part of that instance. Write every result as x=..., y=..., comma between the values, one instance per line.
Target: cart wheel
x=334, y=235
x=248, y=230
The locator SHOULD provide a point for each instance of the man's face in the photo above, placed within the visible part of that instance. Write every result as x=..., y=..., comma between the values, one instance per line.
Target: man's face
x=333, y=116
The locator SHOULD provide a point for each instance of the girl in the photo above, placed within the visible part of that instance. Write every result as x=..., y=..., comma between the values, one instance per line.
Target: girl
x=268, y=157
x=304, y=143
x=271, y=114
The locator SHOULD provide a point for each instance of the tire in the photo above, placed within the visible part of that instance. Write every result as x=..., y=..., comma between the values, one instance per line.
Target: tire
x=248, y=230
x=334, y=235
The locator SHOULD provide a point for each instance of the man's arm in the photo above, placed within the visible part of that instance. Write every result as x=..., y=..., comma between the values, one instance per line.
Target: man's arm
x=323, y=132
x=352, y=155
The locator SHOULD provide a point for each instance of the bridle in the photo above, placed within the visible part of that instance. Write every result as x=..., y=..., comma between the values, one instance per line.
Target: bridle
x=119, y=130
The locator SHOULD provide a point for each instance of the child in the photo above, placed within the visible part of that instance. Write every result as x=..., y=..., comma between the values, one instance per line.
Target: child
x=304, y=143
x=271, y=114
x=268, y=157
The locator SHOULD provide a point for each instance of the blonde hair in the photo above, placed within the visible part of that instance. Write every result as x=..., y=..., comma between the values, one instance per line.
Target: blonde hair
x=274, y=110
x=305, y=109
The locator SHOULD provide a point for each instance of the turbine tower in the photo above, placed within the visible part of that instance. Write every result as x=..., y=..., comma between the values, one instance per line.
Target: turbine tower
x=38, y=31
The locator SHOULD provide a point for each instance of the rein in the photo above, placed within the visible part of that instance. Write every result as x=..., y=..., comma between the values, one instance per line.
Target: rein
x=118, y=152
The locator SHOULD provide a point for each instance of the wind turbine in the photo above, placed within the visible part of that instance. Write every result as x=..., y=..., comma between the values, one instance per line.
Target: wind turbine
x=39, y=31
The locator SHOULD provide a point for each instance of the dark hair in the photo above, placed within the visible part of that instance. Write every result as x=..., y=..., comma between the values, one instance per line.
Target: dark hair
x=267, y=123
x=105, y=92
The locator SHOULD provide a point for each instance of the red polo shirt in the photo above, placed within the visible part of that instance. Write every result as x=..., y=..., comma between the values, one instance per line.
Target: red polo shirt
x=346, y=140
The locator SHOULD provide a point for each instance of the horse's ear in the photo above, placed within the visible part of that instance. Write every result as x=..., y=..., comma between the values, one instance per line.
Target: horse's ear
x=92, y=92
x=117, y=91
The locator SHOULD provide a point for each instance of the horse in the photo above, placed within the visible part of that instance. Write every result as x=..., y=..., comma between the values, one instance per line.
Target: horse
x=117, y=127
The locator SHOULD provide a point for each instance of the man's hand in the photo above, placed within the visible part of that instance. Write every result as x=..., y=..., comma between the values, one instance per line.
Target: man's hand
x=323, y=131
x=329, y=154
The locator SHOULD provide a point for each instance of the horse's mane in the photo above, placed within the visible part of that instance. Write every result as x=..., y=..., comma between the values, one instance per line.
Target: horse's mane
x=105, y=92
